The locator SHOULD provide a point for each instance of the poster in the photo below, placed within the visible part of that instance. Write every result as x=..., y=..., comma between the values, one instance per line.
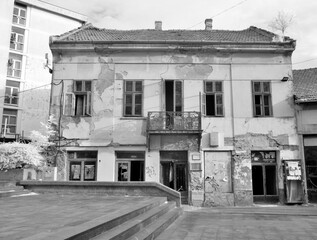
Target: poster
x=293, y=170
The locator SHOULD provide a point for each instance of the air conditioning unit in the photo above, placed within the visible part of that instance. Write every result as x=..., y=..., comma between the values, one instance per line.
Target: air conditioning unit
x=10, y=62
x=216, y=139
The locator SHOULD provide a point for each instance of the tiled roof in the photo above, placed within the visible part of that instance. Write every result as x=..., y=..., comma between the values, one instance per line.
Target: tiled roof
x=89, y=33
x=305, y=85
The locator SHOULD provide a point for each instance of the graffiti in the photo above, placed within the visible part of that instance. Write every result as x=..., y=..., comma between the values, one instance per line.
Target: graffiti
x=150, y=172
x=197, y=183
x=213, y=183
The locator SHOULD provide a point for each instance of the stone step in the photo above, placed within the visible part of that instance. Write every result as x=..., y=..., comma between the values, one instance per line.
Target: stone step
x=157, y=227
x=137, y=224
x=13, y=193
x=95, y=227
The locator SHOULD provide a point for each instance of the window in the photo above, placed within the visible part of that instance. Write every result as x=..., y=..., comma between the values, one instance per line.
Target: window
x=14, y=68
x=78, y=102
x=9, y=121
x=130, y=166
x=212, y=99
x=82, y=165
x=133, y=98
x=262, y=106
x=11, y=93
x=19, y=15
x=16, y=41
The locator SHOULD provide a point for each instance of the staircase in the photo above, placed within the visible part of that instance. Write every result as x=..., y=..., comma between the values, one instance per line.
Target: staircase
x=10, y=189
x=143, y=221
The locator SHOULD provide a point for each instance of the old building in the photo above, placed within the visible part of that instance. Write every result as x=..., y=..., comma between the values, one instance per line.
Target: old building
x=305, y=91
x=25, y=60
x=207, y=112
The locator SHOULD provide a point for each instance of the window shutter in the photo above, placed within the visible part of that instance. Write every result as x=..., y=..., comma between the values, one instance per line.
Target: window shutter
x=69, y=104
x=88, y=104
x=203, y=104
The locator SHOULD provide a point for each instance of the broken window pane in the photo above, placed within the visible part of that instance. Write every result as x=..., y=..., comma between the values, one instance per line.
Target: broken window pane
x=257, y=87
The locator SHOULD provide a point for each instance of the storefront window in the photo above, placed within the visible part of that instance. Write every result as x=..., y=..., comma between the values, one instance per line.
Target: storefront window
x=82, y=165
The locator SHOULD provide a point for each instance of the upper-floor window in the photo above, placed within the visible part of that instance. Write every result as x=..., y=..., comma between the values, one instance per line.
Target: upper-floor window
x=9, y=121
x=11, y=93
x=19, y=15
x=78, y=102
x=17, y=39
x=133, y=98
x=262, y=102
x=212, y=99
x=14, y=68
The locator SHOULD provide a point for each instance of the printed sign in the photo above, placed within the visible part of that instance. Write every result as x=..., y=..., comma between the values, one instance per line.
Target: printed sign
x=263, y=156
x=293, y=170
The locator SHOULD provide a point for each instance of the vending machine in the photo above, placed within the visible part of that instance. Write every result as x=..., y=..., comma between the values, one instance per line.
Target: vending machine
x=293, y=181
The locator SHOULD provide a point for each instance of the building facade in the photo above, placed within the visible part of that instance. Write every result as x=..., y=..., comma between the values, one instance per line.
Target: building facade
x=25, y=62
x=305, y=91
x=208, y=113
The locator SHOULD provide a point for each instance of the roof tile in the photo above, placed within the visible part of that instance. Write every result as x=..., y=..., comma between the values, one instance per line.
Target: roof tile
x=305, y=85
x=93, y=34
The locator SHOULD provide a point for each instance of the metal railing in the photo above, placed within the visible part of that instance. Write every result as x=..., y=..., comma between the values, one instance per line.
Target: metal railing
x=179, y=121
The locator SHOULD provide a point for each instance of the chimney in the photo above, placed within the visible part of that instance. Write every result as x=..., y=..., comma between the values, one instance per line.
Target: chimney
x=158, y=25
x=208, y=24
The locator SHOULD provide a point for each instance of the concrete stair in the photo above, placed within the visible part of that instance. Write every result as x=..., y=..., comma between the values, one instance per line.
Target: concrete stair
x=11, y=189
x=145, y=222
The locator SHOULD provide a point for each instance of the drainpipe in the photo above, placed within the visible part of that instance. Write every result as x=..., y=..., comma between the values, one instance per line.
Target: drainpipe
x=232, y=126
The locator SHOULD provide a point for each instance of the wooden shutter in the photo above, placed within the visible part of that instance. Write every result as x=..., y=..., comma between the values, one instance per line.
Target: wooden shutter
x=69, y=104
x=88, y=104
x=203, y=104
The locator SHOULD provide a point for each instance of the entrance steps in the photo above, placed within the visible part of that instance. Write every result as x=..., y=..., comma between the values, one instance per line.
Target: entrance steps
x=145, y=219
x=11, y=189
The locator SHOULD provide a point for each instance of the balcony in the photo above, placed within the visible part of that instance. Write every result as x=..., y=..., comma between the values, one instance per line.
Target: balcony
x=174, y=122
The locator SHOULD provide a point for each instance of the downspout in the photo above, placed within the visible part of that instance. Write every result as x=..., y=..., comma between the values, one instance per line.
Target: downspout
x=233, y=127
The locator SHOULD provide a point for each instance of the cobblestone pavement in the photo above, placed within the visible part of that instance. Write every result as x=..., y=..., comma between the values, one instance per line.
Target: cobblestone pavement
x=255, y=223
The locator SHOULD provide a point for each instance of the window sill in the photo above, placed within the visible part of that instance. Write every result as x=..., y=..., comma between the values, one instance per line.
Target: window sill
x=133, y=118
x=213, y=116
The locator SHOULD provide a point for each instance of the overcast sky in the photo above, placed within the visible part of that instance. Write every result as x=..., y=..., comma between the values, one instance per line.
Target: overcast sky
x=190, y=14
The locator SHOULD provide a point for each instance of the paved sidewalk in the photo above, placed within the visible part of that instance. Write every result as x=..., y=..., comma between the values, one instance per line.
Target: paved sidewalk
x=24, y=217
x=279, y=222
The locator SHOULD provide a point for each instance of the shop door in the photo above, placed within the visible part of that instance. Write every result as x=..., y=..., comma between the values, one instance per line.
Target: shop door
x=174, y=172
x=264, y=184
x=311, y=172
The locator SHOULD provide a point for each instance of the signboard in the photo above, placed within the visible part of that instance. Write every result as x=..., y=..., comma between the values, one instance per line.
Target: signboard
x=293, y=170
x=263, y=156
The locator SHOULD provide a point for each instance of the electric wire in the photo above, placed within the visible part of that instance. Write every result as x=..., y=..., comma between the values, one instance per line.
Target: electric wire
x=216, y=15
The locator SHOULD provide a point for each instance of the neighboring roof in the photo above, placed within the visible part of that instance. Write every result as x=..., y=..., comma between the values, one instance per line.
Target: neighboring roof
x=305, y=85
x=55, y=9
x=89, y=33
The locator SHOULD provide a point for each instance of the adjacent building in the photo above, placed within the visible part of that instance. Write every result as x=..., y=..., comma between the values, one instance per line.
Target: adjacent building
x=305, y=92
x=25, y=62
x=209, y=113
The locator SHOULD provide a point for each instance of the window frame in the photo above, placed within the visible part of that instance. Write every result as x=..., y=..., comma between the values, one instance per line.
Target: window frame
x=12, y=70
x=14, y=40
x=128, y=160
x=133, y=93
x=9, y=124
x=82, y=162
x=214, y=93
x=11, y=96
x=18, y=16
x=70, y=109
x=262, y=95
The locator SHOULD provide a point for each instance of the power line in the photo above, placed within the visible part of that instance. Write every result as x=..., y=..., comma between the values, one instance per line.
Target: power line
x=216, y=15
x=308, y=60
x=28, y=89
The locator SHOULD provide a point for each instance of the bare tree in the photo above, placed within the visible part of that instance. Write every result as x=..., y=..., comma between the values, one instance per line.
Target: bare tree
x=281, y=22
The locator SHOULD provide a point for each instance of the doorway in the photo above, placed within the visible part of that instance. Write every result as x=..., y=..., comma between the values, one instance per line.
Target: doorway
x=174, y=172
x=311, y=172
x=264, y=177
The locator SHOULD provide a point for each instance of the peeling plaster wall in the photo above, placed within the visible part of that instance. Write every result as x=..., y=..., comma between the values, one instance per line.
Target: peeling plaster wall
x=242, y=132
